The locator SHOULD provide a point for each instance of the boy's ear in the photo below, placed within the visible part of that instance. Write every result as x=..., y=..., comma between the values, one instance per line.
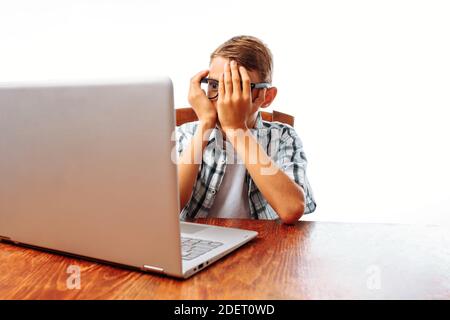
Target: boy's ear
x=269, y=97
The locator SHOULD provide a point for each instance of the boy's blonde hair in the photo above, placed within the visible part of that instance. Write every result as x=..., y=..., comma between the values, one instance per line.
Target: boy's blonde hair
x=249, y=52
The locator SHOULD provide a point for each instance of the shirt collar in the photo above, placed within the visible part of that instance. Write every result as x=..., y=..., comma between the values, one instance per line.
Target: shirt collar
x=259, y=123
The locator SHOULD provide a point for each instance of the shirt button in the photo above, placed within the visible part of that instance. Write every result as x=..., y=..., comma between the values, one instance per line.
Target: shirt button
x=223, y=161
x=213, y=191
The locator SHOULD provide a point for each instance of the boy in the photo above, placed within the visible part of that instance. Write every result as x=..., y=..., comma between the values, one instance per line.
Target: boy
x=268, y=181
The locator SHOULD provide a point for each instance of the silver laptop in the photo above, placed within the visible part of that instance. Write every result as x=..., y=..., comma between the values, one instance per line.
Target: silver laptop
x=86, y=169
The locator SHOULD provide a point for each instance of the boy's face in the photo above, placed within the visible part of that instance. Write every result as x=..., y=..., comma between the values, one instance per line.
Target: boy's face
x=260, y=98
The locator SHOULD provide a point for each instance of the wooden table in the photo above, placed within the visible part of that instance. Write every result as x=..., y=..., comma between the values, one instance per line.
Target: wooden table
x=310, y=260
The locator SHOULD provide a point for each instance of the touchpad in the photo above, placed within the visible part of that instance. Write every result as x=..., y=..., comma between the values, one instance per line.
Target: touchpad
x=191, y=228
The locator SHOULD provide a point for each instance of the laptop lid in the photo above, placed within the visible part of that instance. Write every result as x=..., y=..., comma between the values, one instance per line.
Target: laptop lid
x=86, y=169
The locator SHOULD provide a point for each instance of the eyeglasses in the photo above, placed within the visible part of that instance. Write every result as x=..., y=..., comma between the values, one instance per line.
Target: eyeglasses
x=211, y=87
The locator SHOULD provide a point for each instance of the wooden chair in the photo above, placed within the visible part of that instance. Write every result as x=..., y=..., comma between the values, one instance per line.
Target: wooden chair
x=184, y=115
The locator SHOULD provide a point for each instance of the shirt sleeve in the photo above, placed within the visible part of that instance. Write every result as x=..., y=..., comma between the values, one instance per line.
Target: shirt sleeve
x=184, y=134
x=292, y=161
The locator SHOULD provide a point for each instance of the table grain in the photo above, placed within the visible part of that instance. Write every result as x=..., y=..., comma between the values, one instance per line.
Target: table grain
x=308, y=260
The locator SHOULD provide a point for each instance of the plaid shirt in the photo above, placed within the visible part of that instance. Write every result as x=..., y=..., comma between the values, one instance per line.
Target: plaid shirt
x=281, y=143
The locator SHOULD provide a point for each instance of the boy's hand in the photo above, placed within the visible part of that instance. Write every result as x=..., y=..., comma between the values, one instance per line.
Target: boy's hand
x=204, y=109
x=234, y=102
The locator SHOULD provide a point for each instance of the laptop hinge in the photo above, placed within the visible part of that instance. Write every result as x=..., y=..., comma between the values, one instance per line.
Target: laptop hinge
x=148, y=268
x=5, y=238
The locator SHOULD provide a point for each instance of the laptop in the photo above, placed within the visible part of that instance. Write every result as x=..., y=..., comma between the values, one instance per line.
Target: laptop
x=86, y=169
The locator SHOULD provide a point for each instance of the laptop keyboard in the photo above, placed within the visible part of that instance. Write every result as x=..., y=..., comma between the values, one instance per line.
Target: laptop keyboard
x=192, y=248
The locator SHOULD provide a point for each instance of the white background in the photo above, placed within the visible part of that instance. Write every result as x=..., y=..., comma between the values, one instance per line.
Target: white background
x=368, y=81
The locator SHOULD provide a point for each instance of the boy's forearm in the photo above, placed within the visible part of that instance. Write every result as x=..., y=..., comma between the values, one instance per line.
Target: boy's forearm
x=284, y=195
x=190, y=160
